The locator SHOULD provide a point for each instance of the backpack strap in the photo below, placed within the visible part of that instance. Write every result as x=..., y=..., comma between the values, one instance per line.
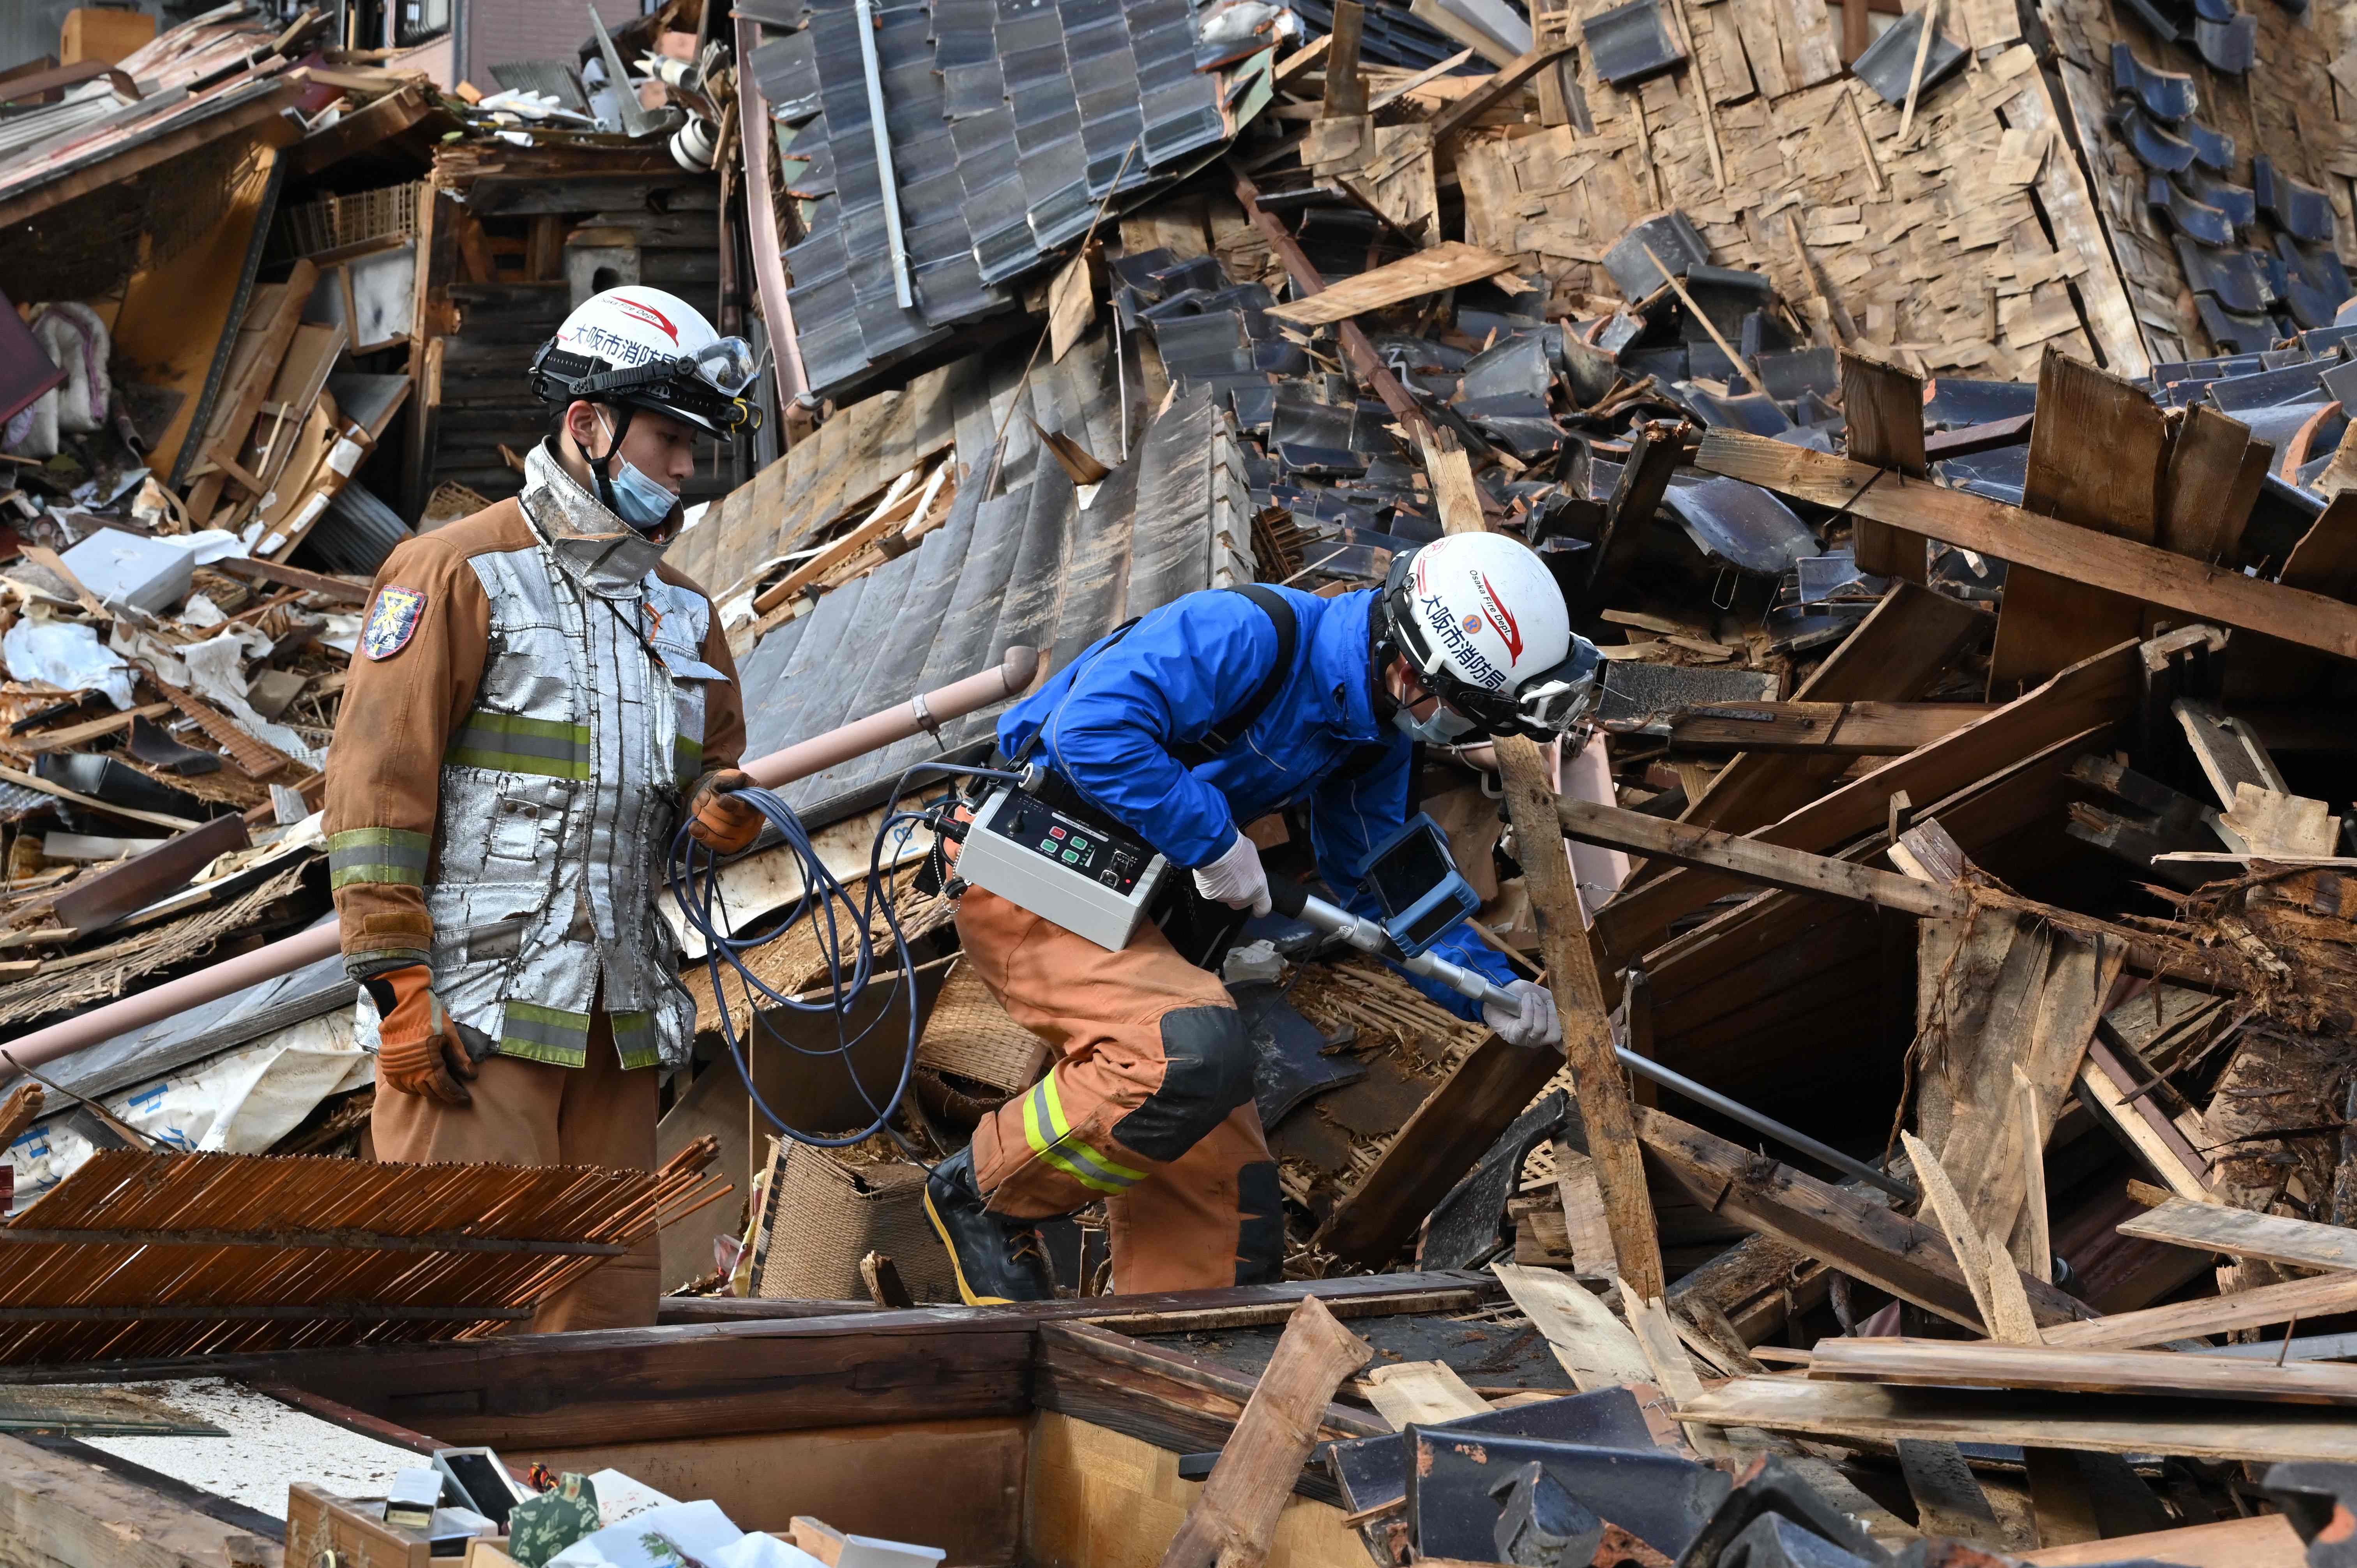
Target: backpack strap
x=1234, y=726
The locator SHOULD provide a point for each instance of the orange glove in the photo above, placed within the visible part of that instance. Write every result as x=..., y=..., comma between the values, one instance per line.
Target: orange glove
x=716, y=819
x=418, y=1050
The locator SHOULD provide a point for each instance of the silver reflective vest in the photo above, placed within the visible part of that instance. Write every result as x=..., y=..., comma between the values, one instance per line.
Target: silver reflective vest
x=562, y=788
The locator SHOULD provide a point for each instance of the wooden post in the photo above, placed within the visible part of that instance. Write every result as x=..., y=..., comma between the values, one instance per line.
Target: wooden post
x=1235, y=1515
x=1604, y=1105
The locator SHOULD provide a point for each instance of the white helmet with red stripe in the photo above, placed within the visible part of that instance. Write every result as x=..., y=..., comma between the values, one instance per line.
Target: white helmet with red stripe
x=1482, y=621
x=643, y=347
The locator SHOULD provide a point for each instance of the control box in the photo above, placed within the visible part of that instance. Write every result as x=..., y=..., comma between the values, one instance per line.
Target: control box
x=1093, y=881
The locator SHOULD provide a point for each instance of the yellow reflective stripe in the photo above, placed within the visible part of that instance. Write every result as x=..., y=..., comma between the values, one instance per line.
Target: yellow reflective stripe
x=1054, y=1143
x=1064, y=1133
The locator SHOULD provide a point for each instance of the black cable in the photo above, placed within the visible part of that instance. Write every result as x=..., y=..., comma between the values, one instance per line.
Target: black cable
x=692, y=876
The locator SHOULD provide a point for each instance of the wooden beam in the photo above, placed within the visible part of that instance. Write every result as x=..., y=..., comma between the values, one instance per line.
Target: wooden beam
x=2023, y=538
x=1446, y=1137
x=1364, y=362
x=2240, y=1233
x=2115, y=1098
x=1847, y=1229
x=1995, y=1283
x=344, y=590
x=1897, y=653
x=59, y=1509
x=1883, y=408
x=2099, y=690
x=1444, y=266
x=1834, y=729
x=1750, y=860
x=1233, y=1521
x=1588, y=1042
x=1875, y=1414
x=1948, y=1363
x=1508, y=79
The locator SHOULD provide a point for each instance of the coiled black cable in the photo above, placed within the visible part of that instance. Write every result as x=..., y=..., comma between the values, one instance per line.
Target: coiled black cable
x=692, y=876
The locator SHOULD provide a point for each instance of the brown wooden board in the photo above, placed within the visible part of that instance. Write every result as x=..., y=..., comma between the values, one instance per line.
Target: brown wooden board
x=2098, y=456
x=2195, y=1429
x=2239, y=1233
x=1883, y=411
x=1948, y=1363
x=2024, y=539
x=1445, y=265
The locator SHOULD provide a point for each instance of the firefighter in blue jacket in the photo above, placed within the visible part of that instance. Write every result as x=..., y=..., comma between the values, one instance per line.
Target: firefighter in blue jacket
x=1206, y=714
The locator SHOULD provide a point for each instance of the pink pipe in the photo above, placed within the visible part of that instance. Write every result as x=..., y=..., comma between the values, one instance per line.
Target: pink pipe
x=290, y=953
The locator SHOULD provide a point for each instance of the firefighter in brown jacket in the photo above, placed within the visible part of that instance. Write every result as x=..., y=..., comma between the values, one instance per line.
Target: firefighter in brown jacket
x=537, y=704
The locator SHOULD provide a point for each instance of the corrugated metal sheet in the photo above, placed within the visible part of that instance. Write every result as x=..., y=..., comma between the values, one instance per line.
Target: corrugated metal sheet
x=1029, y=564
x=1009, y=123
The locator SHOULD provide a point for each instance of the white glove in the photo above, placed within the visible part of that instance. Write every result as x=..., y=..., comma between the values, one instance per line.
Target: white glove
x=1533, y=1024
x=1234, y=877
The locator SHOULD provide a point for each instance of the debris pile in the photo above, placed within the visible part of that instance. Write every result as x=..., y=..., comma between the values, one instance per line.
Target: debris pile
x=1937, y=419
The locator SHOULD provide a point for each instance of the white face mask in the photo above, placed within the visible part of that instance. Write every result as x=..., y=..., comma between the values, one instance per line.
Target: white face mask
x=640, y=502
x=1441, y=729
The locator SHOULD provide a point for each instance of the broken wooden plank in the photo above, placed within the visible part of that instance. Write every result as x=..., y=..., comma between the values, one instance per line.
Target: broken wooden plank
x=1307, y=281
x=1653, y=457
x=2024, y=539
x=2108, y=1091
x=2098, y=691
x=1508, y=79
x=1444, y=1138
x=1838, y=729
x=1234, y=1517
x=2213, y=1227
x=1883, y=409
x=1995, y=1283
x=2098, y=456
x=1427, y=1392
x=1751, y=860
x=2229, y=751
x=1595, y=1349
x=1876, y=1414
x=2203, y=505
x=1951, y=1363
x=1895, y=654
x=1445, y=265
x=2319, y=1295
x=1845, y=1227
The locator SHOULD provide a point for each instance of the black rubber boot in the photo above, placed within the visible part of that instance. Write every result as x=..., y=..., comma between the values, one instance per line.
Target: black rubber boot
x=997, y=1260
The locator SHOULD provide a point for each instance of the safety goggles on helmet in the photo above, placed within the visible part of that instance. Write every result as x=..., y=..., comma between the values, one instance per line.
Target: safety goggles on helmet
x=705, y=388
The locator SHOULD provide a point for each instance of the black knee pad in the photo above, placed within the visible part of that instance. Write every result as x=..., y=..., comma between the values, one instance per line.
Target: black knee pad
x=1207, y=1072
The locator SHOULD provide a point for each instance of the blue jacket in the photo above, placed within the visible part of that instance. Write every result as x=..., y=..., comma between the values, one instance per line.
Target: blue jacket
x=1108, y=720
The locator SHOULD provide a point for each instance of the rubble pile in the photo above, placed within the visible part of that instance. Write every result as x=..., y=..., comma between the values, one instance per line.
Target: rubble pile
x=1935, y=417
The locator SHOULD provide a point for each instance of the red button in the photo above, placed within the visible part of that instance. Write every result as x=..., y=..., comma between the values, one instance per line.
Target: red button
x=1055, y=833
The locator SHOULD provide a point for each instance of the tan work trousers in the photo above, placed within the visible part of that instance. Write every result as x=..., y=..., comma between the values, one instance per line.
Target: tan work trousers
x=1149, y=1053
x=533, y=1113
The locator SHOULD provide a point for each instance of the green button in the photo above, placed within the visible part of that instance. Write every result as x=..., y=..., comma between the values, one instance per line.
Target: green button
x=1071, y=859
x=1047, y=846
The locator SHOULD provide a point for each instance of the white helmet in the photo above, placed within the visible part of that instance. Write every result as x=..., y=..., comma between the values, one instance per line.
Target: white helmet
x=1482, y=621
x=640, y=348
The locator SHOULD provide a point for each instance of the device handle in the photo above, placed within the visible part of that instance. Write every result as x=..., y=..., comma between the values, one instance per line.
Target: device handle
x=1288, y=897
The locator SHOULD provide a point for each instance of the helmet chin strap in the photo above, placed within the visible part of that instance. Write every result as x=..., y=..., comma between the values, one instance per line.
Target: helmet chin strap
x=602, y=468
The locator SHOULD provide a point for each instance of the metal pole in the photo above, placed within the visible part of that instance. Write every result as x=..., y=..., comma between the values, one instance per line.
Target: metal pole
x=883, y=138
x=1369, y=936
x=288, y=954
x=1767, y=1126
